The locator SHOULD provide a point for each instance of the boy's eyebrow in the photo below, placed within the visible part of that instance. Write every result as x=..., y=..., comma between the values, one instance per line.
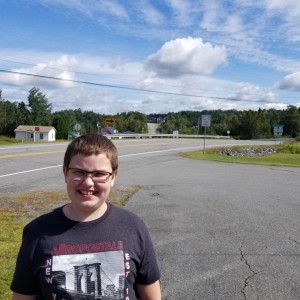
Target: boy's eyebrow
x=71, y=168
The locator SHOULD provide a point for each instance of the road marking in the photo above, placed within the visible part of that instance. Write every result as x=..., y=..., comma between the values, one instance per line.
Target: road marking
x=151, y=144
x=29, y=154
x=158, y=151
x=28, y=171
x=32, y=146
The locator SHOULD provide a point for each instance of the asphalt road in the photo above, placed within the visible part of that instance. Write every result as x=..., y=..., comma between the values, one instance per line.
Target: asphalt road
x=30, y=167
x=221, y=231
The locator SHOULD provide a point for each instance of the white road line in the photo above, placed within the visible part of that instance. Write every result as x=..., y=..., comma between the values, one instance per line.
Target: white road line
x=158, y=151
x=28, y=171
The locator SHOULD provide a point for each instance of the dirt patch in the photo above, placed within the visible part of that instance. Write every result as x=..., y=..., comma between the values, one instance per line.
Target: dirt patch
x=28, y=205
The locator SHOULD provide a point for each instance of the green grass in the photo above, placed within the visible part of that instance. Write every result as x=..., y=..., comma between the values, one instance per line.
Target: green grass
x=5, y=141
x=286, y=155
x=16, y=210
x=290, y=148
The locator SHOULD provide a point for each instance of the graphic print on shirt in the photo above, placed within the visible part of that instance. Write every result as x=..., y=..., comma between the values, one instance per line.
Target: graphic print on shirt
x=99, y=275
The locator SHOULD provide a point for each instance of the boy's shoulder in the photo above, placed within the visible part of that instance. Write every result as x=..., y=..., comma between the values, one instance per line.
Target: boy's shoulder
x=125, y=216
x=123, y=212
x=46, y=220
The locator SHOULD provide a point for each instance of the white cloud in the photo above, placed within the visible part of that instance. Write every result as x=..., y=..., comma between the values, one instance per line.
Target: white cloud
x=289, y=11
x=186, y=56
x=150, y=13
x=233, y=24
x=54, y=68
x=212, y=16
x=102, y=71
x=245, y=91
x=97, y=69
x=270, y=97
x=209, y=93
x=291, y=7
x=224, y=20
x=250, y=30
x=184, y=11
x=290, y=82
x=112, y=7
x=90, y=8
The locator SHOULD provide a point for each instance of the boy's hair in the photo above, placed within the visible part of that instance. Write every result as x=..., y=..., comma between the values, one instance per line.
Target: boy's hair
x=92, y=144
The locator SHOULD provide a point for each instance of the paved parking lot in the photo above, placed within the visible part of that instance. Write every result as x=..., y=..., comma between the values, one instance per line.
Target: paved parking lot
x=222, y=231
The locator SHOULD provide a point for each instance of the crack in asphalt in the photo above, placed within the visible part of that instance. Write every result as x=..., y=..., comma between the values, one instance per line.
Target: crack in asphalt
x=247, y=279
x=293, y=240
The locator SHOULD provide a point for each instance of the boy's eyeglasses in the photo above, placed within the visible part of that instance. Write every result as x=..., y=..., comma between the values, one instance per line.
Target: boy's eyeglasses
x=80, y=175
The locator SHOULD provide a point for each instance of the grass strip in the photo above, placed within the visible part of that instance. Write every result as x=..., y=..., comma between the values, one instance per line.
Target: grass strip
x=286, y=155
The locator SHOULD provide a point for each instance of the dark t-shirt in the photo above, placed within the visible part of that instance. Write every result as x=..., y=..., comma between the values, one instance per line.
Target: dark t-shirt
x=102, y=259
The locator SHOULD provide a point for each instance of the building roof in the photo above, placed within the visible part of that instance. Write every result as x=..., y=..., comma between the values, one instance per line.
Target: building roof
x=25, y=128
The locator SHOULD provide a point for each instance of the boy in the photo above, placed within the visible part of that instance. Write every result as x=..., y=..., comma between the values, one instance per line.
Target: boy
x=87, y=249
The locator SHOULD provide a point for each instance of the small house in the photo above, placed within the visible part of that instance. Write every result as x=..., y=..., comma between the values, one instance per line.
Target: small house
x=33, y=133
x=108, y=130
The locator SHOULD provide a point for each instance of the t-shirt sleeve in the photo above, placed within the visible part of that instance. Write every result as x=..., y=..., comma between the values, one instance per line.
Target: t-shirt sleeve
x=148, y=270
x=23, y=280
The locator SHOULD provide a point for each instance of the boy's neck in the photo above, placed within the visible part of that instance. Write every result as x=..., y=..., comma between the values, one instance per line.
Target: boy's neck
x=84, y=216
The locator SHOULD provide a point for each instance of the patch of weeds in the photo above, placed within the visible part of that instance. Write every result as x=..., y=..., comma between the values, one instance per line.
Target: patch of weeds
x=10, y=232
x=119, y=196
x=291, y=148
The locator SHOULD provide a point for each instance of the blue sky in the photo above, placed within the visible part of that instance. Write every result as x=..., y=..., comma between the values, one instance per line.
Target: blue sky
x=152, y=56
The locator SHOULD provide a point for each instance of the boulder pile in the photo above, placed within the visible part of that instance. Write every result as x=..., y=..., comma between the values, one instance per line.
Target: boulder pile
x=248, y=151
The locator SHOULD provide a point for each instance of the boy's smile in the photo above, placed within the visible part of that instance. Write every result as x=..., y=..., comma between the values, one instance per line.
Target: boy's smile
x=87, y=193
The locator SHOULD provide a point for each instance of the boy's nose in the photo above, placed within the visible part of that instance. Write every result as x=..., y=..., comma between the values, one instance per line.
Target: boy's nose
x=88, y=178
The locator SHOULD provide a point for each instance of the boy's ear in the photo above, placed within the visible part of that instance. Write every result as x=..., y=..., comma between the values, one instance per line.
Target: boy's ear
x=65, y=173
x=115, y=174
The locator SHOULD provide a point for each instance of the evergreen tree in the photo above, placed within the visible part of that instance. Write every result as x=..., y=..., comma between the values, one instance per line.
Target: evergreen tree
x=292, y=121
x=25, y=114
x=39, y=107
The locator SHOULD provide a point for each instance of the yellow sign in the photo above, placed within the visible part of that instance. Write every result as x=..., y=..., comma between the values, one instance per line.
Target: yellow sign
x=110, y=121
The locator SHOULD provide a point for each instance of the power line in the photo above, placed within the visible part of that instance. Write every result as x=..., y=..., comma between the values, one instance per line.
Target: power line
x=134, y=89
x=63, y=69
x=99, y=75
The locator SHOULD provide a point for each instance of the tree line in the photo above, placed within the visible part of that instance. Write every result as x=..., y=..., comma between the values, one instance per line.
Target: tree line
x=247, y=124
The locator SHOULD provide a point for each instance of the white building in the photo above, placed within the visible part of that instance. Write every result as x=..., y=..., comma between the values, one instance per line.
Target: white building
x=35, y=133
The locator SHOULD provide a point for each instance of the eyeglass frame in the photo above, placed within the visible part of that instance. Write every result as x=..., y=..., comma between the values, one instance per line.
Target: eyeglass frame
x=90, y=174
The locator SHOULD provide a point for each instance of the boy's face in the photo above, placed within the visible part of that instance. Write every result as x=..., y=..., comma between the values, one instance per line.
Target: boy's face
x=88, y=197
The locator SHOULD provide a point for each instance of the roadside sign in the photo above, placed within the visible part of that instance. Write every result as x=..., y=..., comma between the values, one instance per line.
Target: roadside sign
x=278, y=129
x=77, y=127
x=205, y=120
x=109, y=121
